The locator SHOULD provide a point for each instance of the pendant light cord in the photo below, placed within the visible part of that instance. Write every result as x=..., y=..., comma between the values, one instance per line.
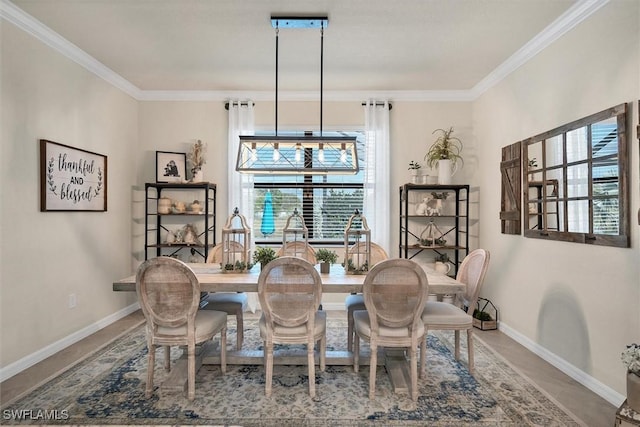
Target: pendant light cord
x=277, y=27
x=321, y=70
x=277, y=33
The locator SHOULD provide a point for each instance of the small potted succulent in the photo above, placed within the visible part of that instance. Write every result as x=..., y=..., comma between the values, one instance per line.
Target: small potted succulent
x=263, y=255
x=631, y=360
x=326, y=258
x=414, y=168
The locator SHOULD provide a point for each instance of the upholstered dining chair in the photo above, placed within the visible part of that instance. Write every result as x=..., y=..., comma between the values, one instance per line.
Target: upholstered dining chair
x=299, y=250
x=356, y=301
x=290, y=290
x=458, y=316
x=232, y=303
x=169, y=294
x=395, y=291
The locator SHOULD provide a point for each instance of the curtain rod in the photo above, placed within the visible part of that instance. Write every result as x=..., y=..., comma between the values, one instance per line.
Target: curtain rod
x=379, y=103
x=226, y=104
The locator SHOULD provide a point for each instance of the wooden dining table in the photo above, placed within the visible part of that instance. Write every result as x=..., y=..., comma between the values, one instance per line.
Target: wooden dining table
x=213, y=279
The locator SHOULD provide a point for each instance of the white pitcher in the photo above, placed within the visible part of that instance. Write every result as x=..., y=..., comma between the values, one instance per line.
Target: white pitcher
x=444, y=171
x=442, y=267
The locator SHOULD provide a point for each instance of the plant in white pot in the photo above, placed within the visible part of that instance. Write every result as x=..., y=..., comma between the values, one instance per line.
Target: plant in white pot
x=444, y=154
x=414, y=168
x=631, y=359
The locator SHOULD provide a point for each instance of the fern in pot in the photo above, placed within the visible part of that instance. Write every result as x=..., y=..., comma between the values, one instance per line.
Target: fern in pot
x=444, y=154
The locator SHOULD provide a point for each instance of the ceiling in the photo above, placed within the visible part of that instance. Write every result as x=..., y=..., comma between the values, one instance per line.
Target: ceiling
x=373, y=46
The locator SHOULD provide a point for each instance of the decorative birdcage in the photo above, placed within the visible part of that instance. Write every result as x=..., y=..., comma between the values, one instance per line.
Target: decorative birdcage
x=357, y=245
x=236, y=244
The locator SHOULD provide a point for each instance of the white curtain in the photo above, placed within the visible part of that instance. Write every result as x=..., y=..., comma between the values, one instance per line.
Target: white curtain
x=240, y=189
x=377, y=197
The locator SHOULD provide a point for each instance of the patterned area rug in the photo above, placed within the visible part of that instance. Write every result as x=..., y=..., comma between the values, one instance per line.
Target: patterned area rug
x=108, y=388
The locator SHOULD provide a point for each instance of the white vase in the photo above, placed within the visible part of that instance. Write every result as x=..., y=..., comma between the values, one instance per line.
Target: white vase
x=444, y=172
x=633, y=391
x=198, y=176
x=415, y=176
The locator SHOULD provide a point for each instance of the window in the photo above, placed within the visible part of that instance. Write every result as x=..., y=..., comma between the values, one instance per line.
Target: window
x=325, y=201
x=577, y=181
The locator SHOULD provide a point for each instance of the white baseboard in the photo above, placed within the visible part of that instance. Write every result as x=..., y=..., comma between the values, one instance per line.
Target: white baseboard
x=30, y=360
x=602, y=390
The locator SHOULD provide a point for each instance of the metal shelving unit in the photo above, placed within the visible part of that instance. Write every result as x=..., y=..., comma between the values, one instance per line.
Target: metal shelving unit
x=157, y=224
x=452, y=222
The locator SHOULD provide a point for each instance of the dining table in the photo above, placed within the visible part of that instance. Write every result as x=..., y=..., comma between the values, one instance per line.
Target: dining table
x=213, y=279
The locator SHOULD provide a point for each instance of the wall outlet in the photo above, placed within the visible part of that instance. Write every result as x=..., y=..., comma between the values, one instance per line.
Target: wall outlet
x=72, y=300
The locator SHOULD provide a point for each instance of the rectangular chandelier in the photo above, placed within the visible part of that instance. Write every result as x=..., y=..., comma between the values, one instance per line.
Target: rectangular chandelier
x=301, y=155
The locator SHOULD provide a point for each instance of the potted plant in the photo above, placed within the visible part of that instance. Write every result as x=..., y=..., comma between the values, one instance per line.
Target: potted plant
x=437, y=202
x=326, y=258
x=442, y=258
x=414, y=168
x=264, y=255
x=237, y=267
x=444, y=154
x=353, y=269
x=482, y=319
x=196, y=159
x=631, y=359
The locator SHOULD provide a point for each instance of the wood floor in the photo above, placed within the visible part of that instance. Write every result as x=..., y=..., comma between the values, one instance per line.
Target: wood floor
x=589, y=407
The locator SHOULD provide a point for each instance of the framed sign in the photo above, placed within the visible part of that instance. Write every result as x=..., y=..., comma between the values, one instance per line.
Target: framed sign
x=71, y=179
x=171, y=167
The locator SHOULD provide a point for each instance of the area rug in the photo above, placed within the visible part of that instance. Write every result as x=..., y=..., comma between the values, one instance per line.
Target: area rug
x=108, y=388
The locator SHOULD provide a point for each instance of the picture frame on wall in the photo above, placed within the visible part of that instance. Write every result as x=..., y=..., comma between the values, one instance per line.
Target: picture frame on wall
x=171, y=167
x=71, y=179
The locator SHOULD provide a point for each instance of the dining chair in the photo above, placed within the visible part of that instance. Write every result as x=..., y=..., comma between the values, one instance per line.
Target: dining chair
x=232, y=303
x=354, y=301
x=169, y=295
x=299, y=250
x=458, y=316
x=395, y=291
x=290, y=290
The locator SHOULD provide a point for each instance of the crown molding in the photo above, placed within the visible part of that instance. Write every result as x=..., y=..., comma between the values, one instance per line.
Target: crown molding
x=568, y=20
x=577, y=13
x=32, y=26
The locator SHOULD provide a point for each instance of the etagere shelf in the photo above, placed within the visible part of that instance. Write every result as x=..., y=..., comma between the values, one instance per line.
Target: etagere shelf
x=159, y=225
x=543, y=207
x=450, y=221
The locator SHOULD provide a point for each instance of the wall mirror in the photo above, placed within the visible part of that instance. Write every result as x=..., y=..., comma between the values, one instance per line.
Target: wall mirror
x=576, y=181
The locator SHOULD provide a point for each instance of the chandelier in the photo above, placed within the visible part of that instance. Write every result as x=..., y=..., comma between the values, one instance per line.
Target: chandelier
x=305, y=154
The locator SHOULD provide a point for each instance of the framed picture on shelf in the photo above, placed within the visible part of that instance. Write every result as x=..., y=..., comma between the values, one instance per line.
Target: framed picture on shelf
x=171, y=167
